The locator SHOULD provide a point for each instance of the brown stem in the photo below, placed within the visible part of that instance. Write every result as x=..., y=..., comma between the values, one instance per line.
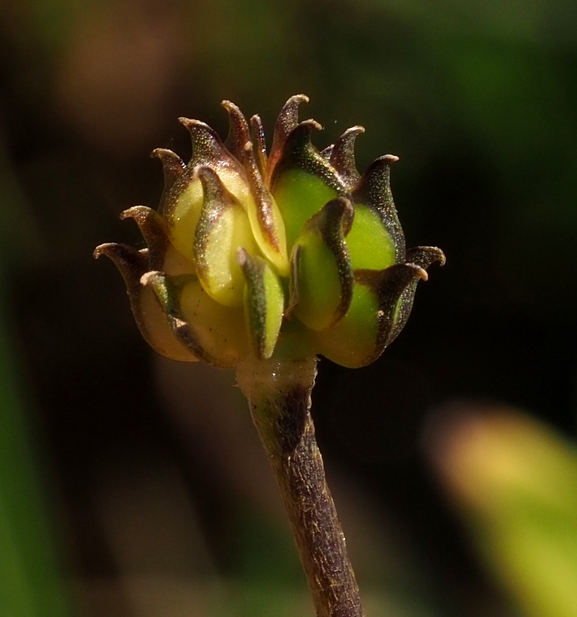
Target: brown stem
x=280, y=399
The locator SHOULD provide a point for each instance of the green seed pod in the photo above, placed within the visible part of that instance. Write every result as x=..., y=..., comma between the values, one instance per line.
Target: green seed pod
x=263, y=303
x=322, y=269
x=248, y=250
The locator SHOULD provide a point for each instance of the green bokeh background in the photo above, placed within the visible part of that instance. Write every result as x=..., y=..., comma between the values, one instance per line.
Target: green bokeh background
x=477, y=98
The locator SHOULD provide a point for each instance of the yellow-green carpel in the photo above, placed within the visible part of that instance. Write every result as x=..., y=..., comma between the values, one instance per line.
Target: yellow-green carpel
x=249, y=246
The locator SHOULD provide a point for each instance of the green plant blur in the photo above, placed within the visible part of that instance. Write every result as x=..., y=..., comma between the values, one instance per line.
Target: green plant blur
x=30, y=573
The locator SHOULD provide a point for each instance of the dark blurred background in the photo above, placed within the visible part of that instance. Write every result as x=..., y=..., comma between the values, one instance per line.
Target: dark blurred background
x=145, y=473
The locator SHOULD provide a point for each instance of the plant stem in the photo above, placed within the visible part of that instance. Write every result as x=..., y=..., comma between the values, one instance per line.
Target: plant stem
x=279, y=395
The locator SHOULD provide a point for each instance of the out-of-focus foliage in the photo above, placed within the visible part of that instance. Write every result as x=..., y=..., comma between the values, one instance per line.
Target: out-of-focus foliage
x=515, y=481
x=30, y=582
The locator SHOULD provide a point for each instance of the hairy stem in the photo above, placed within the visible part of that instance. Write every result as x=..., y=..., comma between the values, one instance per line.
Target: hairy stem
x=279, y=395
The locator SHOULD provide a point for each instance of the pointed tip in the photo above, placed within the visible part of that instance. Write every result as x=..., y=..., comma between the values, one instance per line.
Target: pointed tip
x=116, y=251
x=212, y=186
x=258, y=136
x=241, y=257
x=130, y=262
x=424, y=256
x=422, y=274
x=383, y=162
x=375, y=182
x=257, y=126
x=288, y=116
x=206, y=173
x=340, y=209
x=101, y=249
x=187, y=122
x=172, y=168
x=153, y=229
x=238, y=132
x=300, y=136
x=342, y=156
x=296, y=99
x=198, y=126
x=233, y=109
x=149, y=278
x=298, y=152
x=164, y=154
x=287, y=121
x=335, y=217
x=313, y=124
x=207, y=146
x=138, y=213
x=172, y=164
x=373, y=190
x=354, y=131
